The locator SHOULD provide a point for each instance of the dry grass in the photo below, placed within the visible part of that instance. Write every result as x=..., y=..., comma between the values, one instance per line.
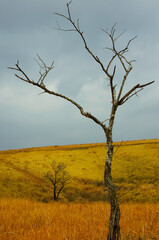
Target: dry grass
x=135, y=171
x=26, y=220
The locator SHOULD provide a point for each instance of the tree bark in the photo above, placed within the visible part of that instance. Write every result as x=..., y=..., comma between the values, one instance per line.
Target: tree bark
x=114, y=226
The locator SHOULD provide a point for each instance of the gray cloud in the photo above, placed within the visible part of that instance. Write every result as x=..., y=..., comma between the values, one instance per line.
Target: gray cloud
x=27, y=27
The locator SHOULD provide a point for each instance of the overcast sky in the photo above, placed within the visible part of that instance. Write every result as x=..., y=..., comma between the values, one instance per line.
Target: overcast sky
x=27, y=28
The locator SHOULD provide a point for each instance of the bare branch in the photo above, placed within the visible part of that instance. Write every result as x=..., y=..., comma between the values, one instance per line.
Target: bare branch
x=115, y=39
x=128, y=44
x=120, y=53
x=12, y=68
x=123, y=83
x=146, y=84
x=41, y=93
x=110, y=62
x=132, y=61
x=118, y=148
x=69, y=14
x=105, y=120
x=132, y=92
x=20, y=70
x=135, y=93
x=40, y=84
x=78, y=24
x=21, y=78
x=62, y=29
x=113, y=30
x=108, y=48
x=113, y=93
x=114, y=71
x=46, y=69
x=77, y=29
x=111, y=35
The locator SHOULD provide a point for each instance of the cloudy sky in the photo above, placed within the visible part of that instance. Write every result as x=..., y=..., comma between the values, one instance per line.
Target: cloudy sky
x=28, y=119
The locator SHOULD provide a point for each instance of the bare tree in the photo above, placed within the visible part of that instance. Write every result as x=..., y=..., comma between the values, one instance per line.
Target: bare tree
x=58, y=177
x=118, y=98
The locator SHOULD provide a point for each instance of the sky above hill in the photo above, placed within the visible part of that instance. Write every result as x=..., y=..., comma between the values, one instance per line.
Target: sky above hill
x=28, y=119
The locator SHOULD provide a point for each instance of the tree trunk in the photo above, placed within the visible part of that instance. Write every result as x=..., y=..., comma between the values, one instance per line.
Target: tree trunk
x=55, y=197
x=114, y=227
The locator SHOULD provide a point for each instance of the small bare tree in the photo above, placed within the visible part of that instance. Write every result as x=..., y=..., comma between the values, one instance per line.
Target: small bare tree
x=58, y=177
x=118, y=98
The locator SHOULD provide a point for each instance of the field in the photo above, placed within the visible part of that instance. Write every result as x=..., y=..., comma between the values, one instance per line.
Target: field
x=27, y=209
x=135, y=172
x=26, y=220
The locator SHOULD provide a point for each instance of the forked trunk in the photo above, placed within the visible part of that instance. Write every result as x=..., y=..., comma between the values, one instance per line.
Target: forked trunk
x=114, y=227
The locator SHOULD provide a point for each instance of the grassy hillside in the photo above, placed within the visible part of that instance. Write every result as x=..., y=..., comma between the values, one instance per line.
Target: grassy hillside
x=135, y=171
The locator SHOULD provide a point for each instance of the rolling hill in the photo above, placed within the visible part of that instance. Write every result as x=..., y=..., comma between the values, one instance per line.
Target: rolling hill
x=135, y=172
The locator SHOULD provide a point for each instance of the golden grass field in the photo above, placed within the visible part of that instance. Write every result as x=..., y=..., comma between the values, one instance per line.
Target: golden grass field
x=135, y=170
x=26, y=220
x=27, y=211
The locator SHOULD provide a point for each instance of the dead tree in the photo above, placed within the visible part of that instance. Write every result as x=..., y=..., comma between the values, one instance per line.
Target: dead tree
x=118, y=98
x=58, y=177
